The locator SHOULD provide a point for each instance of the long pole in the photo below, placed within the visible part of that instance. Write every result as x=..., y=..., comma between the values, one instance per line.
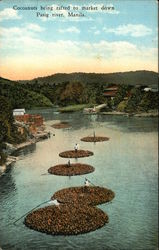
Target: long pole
x=30, y=211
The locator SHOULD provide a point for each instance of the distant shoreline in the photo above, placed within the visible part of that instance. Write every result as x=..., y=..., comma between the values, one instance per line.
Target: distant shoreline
x=80, y=107
x=142, y=114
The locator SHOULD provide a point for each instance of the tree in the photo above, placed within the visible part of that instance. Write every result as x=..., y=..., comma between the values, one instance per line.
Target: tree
x=134, y=100
x=149, y=101
x=73, y=93
x=121, y=93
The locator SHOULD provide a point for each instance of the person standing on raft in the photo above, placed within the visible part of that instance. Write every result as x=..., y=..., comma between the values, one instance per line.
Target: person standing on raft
x=94, y=134
x=69, y=163
x=54, y=202
x=76, y=148
x=86, y=184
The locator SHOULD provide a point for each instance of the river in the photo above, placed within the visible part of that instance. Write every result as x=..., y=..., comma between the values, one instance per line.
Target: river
x=127, y=164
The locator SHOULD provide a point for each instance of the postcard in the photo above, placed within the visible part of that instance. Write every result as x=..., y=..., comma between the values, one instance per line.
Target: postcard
x=79, y=124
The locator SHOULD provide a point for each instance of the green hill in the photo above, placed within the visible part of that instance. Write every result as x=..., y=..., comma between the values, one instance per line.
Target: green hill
x=134, y=78
x=21, y=97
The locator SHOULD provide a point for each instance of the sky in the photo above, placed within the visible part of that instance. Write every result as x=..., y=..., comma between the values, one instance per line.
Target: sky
x=107, y=36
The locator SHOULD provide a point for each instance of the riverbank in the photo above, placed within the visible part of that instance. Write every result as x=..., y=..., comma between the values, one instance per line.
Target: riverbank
x=12, y=149
x=84, y=107
x=153, y=113
x=140, y=114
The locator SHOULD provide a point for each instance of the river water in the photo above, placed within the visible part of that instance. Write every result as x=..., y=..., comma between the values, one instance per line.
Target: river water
x=127, y=164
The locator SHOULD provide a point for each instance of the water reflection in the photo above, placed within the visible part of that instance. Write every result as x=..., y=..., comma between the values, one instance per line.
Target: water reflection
x=7, y=184
x=79, y=120
x=28, y=150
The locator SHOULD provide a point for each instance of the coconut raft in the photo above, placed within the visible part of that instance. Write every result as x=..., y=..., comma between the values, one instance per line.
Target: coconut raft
x=91, y=195
x=66, y=219
x=73, y=169
x=94, y=138
x=61, y=125
x=76, y=154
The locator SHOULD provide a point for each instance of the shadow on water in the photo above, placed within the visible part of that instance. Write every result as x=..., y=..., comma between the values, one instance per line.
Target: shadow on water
x=130, y=124
x=28, y=150
x=7, y=180
x=123, y=123
x=7, y=184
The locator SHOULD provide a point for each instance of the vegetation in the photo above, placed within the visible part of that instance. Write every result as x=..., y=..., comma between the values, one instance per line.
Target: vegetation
x=123, y=91
x=122, y=106
x=149, y=101
x=137, y=101
x=68, y=93
x=21, y=97
x=85, y=88
x=134, y=100
x=8, y=130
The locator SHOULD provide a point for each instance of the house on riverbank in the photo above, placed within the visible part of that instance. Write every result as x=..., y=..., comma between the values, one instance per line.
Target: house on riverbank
x=29, y=119
x=110, y=92
x=18, y=112
x=33, y=122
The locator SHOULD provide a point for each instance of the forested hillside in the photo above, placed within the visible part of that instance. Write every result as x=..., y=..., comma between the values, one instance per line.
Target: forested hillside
x=84, y=88
x=79, y=88
x=129, y=78
x=21, y=97
x=69, y=93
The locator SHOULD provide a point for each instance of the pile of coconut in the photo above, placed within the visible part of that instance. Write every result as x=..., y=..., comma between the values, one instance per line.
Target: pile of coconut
x=71, y=169
x=76, y=154
x=70, y=219
x=74, y=212
x=91, y=195
x=94, y=138
x=61, y=125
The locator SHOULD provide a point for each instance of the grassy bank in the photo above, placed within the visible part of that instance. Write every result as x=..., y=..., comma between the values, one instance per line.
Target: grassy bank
x=74, y=108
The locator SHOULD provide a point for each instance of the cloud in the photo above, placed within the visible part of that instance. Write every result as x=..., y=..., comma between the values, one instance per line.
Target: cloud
x=27, y=54
x=134, y=30
x=29, y=30
x=12, y=38
x=27, y=38
x=93, y=28
x=9, y=13
x=97, y=32
x=34, y=27
x=70, y=30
